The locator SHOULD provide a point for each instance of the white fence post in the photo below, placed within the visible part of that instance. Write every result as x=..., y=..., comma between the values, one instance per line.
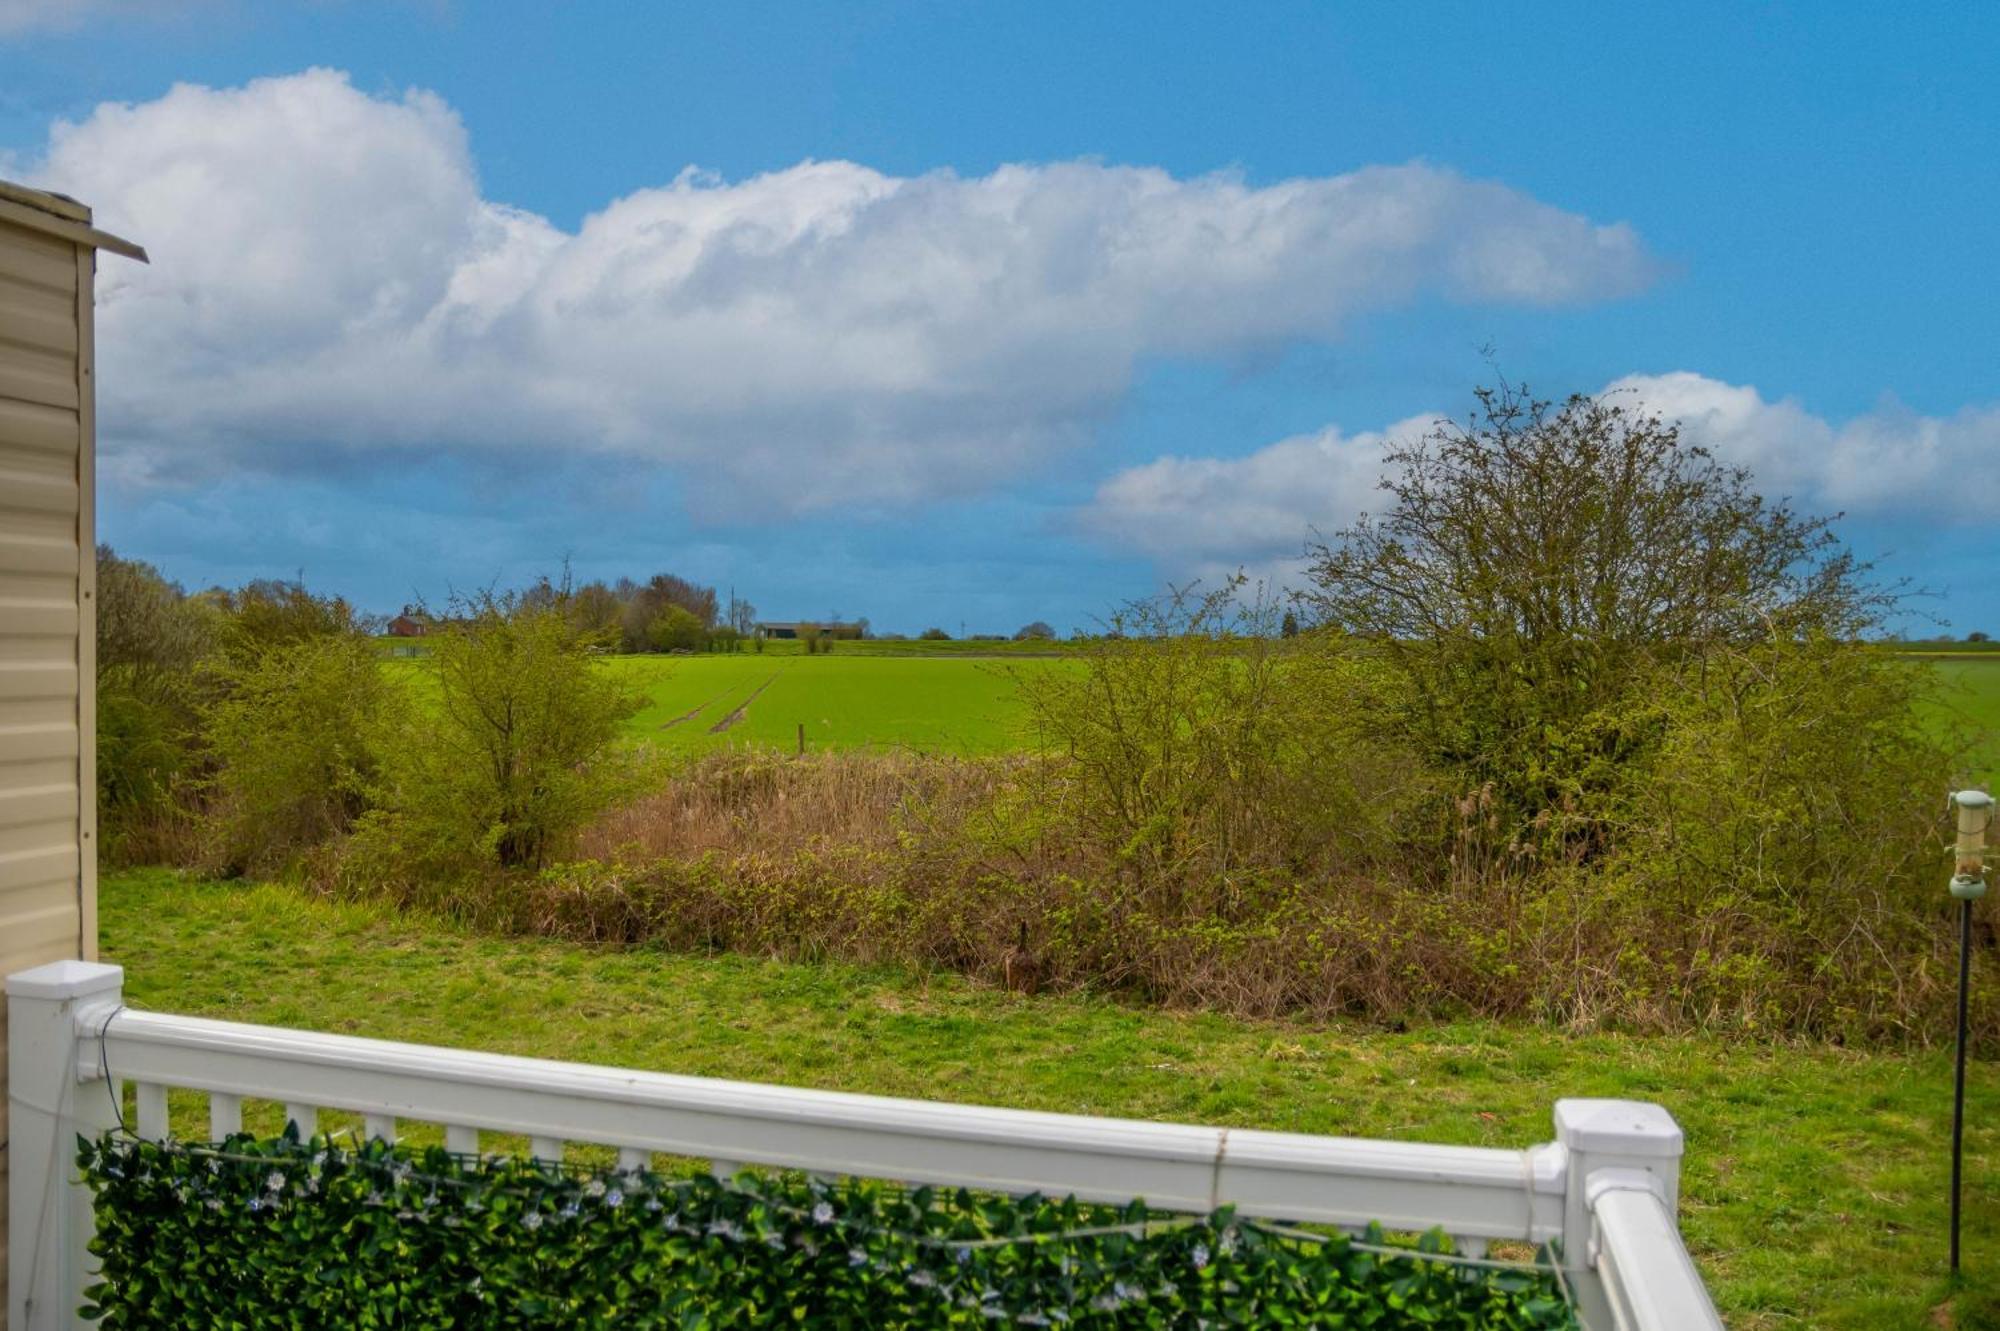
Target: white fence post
x=48, y=1105
x=1613, y=1139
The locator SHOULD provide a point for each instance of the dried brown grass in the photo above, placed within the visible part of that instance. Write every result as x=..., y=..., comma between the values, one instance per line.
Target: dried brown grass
x=758, y=802
x=974, y=866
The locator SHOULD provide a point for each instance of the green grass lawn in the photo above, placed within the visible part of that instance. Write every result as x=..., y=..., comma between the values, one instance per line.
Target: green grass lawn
x=1814, y=1191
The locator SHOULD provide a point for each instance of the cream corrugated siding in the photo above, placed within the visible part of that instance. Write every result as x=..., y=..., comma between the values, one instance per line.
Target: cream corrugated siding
x=47, y=652
x=42, y=546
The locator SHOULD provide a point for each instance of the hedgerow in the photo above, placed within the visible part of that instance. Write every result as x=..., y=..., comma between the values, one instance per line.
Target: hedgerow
x=280, y=1232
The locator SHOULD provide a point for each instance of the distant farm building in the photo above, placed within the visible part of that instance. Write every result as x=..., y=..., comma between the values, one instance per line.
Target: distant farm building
x=806, y=629
x=407, y=625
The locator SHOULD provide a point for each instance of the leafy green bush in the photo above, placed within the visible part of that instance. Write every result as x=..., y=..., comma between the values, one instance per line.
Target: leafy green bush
x=279, y=1232
x=517, y=753
x=1197, y=745
x=145, y=744
x=271, y=613
x=151, y=637
x=298, y=732
x=1781, y=851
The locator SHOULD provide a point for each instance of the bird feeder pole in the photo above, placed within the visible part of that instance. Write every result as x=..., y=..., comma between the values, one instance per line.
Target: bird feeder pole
x=1968, y=884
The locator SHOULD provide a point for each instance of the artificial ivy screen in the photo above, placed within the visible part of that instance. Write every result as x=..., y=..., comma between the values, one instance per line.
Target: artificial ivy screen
x=282, y=1233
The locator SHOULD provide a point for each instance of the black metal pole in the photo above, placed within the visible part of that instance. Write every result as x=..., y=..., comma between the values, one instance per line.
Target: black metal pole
x=1958, y=1089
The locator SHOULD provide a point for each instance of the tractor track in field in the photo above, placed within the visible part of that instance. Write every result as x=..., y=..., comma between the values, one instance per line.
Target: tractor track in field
x=743, y=707
x=694, y=711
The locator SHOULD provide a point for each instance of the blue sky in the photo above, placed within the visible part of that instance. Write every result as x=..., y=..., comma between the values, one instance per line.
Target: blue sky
x=975, y=368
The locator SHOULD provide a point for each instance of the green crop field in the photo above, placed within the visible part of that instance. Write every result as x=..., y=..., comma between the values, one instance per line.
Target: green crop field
x=1971, y=704
x=948, y=704
x=1006, y=648
x=959, y=697
x=981, y=648
x=963, y=699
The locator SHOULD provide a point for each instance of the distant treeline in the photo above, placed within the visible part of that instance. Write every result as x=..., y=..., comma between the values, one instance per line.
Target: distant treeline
x=669, y=613
x=665, y=613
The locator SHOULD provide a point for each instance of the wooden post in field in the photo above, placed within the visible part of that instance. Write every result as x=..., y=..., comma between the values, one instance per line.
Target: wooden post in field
x=802, y=739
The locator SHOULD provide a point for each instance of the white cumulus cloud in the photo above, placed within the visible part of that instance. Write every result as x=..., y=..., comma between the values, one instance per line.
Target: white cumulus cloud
x=1204, y=514
x=1889, y=461
x=1201, y=514
x=329, y=280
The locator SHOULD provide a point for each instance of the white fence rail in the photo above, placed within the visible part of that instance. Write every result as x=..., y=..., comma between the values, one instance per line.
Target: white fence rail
x=1605, y=1190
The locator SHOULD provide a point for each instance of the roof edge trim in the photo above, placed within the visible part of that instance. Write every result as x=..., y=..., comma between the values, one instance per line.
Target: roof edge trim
x=62, y=217
x=62, y=205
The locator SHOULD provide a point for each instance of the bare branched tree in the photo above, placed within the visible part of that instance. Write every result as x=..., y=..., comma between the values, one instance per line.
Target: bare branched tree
x=1538, y=562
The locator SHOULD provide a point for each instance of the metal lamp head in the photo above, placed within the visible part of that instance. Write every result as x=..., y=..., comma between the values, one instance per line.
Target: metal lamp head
x=1975, y=815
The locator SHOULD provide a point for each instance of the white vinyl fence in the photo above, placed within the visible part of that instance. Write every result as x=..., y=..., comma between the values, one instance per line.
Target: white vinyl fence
x=1606, y=1188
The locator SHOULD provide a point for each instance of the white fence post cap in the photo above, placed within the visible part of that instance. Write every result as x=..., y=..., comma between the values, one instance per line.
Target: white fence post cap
x=65, y=979
x=1628, y=1128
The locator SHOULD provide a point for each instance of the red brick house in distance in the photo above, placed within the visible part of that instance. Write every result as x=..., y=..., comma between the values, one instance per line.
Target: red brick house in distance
x=409, y=624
